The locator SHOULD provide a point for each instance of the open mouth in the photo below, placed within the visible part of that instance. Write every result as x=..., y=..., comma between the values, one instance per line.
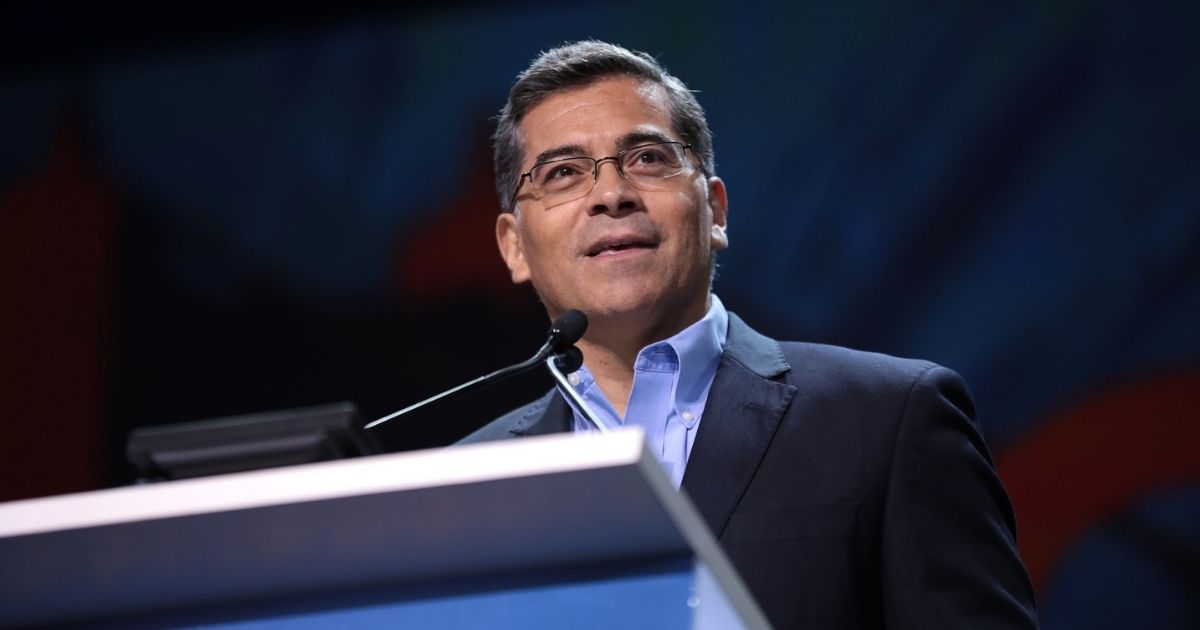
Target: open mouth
x=611, y=246
x=607, y=250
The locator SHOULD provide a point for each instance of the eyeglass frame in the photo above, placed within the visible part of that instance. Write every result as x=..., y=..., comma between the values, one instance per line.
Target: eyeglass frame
x=616, y=160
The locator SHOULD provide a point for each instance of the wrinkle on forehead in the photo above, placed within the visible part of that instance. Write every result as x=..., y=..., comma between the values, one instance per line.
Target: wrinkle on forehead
x=567, y=115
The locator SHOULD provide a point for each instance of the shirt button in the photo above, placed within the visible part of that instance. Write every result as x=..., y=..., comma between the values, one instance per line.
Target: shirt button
x=573, y=378
x=686, y=415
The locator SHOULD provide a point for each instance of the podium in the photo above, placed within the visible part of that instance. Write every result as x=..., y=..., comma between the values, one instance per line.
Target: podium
x=562, y=531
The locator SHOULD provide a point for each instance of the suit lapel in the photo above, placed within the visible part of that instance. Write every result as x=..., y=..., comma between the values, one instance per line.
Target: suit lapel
x=744, y=408
x=743, y=411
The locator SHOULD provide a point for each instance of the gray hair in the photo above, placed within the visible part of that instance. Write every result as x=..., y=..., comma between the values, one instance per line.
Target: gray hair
x=577, y=65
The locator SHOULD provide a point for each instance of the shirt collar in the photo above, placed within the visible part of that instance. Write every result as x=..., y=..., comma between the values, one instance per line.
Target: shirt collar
x=699, y=349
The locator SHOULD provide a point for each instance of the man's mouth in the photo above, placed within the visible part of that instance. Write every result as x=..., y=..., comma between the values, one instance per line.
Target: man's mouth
x=613, y=246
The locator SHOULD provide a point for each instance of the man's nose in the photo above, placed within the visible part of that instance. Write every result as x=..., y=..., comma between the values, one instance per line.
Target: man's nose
x=612, y=192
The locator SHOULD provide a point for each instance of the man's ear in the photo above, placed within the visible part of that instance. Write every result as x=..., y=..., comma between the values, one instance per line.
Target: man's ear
x=508, y=238
x=718, y=203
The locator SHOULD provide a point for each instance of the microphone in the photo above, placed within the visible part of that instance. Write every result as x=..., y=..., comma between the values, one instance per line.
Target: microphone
x=568, y=360
x=559, y=349
x=567, y=330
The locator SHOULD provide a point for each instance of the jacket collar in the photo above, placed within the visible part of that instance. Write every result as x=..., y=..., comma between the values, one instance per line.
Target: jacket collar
x=756, y=352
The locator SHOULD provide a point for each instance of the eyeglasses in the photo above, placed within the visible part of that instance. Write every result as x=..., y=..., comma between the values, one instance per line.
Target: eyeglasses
x=649, y=168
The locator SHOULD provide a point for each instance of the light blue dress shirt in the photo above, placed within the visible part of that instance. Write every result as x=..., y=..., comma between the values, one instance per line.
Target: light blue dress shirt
x=671, y=379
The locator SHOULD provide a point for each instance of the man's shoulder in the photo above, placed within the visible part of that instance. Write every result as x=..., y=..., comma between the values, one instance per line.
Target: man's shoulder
x=823, y=362
x=824, y=371
x=808, y=356
x=502, y=428
x=838, y=373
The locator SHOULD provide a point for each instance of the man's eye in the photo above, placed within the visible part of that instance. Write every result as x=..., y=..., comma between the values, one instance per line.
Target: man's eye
x=559, y=174
x=649, y=161
x=651, y=156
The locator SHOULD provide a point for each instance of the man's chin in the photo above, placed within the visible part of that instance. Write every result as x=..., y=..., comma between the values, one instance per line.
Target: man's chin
x=619, y=300
x=634, y=310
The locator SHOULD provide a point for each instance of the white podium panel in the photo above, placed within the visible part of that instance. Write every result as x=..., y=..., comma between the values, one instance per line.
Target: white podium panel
x=579, y=530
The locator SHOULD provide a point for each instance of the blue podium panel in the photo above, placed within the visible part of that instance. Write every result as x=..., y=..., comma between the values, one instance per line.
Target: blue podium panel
x=660, y=596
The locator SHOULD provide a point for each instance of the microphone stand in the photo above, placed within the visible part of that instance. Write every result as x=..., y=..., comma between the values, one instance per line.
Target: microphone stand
x=467, y=387
x=559, y=346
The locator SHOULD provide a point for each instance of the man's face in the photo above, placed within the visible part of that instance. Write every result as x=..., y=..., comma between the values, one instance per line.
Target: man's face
x=618, y=254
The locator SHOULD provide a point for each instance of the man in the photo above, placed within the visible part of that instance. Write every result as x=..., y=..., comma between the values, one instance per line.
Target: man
x=850, y=490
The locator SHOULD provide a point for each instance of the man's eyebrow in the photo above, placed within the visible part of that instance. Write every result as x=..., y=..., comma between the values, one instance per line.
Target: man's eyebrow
x=638, y=138
x=567, y=150
x=632, y=139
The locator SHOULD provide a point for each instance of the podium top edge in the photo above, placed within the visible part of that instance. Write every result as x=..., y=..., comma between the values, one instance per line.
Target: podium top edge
x=379, y=474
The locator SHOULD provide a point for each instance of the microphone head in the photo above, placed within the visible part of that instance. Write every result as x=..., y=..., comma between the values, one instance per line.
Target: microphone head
x=566, y=330
x=569, y=359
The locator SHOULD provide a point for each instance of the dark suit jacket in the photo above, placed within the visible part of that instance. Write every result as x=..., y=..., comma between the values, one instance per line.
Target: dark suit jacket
x=850, y=490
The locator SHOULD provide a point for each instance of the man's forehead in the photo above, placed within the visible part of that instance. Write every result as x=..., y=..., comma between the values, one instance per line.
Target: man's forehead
x=598, y=116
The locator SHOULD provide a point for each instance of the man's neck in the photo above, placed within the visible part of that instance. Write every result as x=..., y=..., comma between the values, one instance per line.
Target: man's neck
x=610, y=350
x=612, y=371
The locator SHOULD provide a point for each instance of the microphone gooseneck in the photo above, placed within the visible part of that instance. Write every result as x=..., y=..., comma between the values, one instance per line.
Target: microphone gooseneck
x=556, y=365
x=564, y=332
x=560, y=339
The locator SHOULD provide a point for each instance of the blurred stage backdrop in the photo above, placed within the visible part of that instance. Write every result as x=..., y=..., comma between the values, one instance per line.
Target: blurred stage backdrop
x=239, y=208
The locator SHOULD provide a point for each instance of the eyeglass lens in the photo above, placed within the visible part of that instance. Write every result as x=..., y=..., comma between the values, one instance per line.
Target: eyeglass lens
x=647, y=167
